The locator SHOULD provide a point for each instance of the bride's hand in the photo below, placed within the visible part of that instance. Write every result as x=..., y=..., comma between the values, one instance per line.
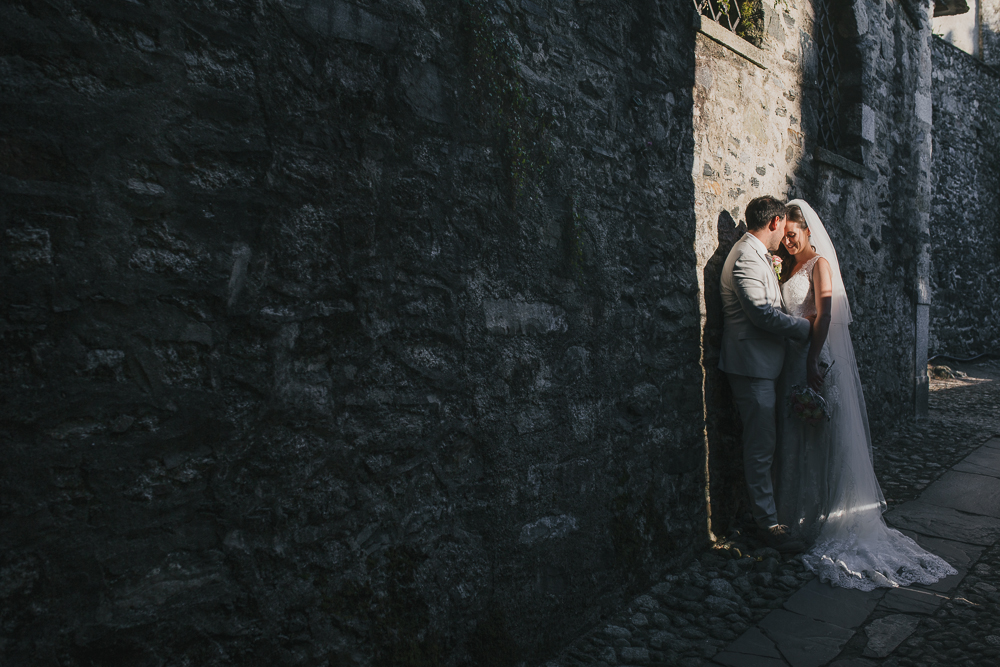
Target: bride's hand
x=814, y=376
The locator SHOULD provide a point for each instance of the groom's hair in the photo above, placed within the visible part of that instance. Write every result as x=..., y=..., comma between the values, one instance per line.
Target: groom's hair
x=762, y=210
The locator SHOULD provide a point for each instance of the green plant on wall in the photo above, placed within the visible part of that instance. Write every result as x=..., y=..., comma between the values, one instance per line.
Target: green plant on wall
x=748, y=21
x=751, y=27
x=506, y=109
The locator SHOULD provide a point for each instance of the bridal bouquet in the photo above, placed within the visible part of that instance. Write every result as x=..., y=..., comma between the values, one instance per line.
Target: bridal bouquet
x=806, y=403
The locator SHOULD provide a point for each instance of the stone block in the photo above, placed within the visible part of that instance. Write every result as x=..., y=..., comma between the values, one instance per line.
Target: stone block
x=742, y=660
x=723, y=588
x=425, y=92
x=547, y=528
x=348, y=21
x=974, y=494
x=923, y=106
x=944, y=522
x=912, y=601
x=721, y=605
x=511, y=318
x=804, y=642
x=886, y=633
x=754, y=642
x=844, y=607
x=634, y=655
x=983, y=461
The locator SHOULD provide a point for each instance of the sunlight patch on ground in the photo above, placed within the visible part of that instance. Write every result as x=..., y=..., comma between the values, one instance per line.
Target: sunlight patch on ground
x=945, y=377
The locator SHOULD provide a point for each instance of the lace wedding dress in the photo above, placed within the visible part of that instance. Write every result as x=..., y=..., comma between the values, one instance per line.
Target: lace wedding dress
x=825, y=486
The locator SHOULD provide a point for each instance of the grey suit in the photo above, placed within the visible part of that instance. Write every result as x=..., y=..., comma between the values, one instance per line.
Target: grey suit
x=753, y=351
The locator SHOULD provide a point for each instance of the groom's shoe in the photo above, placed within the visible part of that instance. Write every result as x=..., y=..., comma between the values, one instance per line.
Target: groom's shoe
x=778, y=538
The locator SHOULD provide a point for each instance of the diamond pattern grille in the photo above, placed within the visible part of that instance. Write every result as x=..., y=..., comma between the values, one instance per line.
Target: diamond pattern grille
x=829, y=78
x=724, y=12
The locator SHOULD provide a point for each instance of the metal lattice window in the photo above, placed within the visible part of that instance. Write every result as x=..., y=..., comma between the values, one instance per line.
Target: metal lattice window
x=830, y=96
x=724, y=12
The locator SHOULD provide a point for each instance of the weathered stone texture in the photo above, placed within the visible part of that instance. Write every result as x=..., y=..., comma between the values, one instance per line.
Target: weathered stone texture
x=989, y=17
x=286, y=377
x=966, y=229
x=755, y=133
x=312, y=355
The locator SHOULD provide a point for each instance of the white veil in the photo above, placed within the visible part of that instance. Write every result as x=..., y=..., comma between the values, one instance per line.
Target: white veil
x=839, y=338
x=855, y=548
x=824, y=246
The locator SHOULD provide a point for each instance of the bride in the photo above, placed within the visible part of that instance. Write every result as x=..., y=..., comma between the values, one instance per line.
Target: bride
x=825, y=486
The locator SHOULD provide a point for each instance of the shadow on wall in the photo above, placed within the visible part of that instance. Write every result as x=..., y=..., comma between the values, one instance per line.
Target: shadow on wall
x=723, y=427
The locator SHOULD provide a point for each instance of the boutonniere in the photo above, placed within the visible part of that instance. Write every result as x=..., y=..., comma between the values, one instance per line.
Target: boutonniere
x=776, y=265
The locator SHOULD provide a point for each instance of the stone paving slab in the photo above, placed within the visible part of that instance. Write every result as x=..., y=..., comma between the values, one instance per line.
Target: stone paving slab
x=983, y=461
x=804, y=642
x=844, y=607
x=745, y=660
x=944, y=522
x=912, y=601
x=992, y=442
x=754, y=642
x=888, y=632
x=975, y=494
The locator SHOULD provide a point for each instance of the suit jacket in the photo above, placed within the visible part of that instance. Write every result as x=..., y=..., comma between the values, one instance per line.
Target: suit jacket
x=755, y=321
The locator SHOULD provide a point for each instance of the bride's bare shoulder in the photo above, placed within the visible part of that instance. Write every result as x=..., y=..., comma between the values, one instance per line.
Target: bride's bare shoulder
x=821, y=271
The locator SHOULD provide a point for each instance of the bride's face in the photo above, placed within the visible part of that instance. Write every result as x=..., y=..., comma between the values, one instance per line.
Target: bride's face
x=796, y=238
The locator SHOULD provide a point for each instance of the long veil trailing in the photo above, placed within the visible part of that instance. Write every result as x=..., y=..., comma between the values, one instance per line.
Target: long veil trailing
x=854, y=547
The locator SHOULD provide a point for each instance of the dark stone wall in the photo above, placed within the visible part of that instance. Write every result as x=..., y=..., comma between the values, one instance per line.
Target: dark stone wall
x=966, y=225
x=310, y=355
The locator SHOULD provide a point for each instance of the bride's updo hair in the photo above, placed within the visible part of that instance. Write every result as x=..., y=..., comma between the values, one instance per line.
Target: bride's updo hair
x=795, y=215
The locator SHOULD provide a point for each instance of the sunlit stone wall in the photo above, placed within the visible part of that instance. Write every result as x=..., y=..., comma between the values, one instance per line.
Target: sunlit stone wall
x=755, y=125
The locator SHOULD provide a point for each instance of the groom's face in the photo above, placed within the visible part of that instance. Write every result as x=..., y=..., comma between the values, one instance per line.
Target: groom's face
x=777, y=229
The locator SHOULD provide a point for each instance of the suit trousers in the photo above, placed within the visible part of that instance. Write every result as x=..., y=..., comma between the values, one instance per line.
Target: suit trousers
x=756, y=399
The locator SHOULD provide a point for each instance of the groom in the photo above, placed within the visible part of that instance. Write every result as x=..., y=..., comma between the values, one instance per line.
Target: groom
x=753, y=351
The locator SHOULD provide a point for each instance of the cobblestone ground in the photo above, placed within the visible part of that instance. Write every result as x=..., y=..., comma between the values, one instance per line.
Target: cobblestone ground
x=689, y=617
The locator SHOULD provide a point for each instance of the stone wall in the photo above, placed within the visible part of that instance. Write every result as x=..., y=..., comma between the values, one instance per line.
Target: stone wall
x=385, y=332
x=312, y=355
x=755, y=124
x=966, y=223
x=989, y=31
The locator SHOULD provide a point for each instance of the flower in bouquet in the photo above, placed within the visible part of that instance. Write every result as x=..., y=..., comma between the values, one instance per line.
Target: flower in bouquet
x=776, y=265
x=806, y=404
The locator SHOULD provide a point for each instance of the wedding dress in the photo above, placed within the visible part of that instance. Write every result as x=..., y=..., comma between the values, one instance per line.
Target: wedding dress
x=825, y=485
